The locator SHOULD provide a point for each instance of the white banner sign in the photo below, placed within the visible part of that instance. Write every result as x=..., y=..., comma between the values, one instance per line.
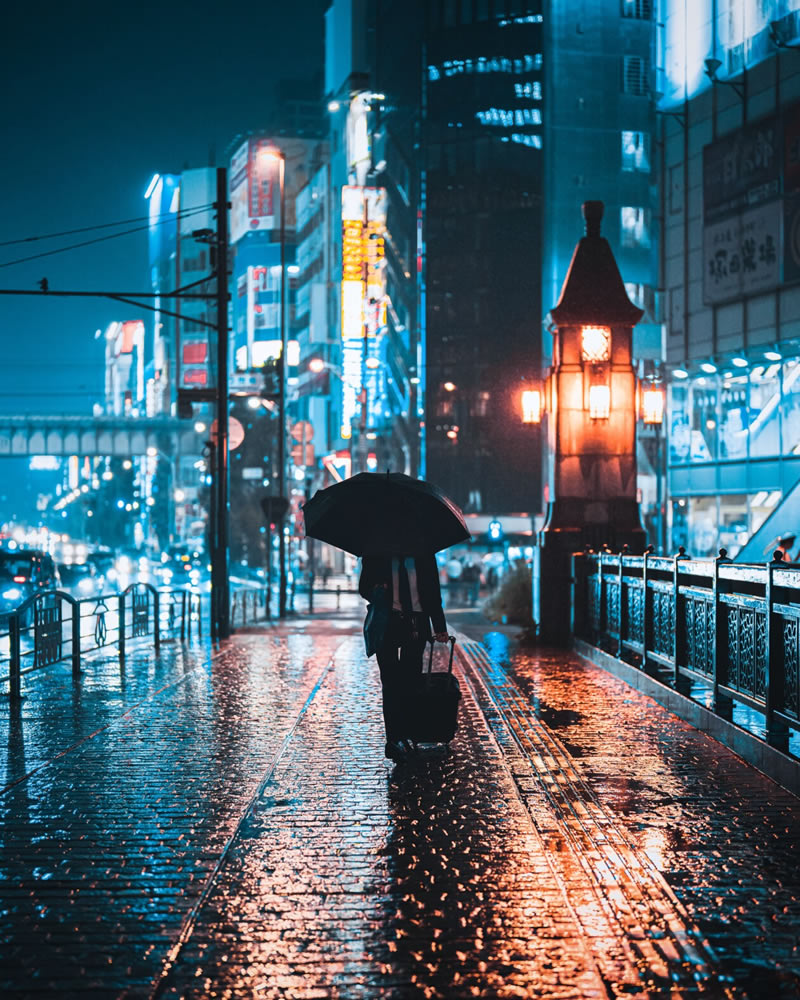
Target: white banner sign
x=742, y=255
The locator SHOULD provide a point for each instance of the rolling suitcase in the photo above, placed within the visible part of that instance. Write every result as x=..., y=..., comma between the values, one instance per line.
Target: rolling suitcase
x=435, y=703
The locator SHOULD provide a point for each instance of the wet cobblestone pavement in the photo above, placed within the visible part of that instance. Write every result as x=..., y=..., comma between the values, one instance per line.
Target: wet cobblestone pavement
x=223, y=823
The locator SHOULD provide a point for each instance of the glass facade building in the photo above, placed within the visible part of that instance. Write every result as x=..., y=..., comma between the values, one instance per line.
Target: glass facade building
x=729, y=103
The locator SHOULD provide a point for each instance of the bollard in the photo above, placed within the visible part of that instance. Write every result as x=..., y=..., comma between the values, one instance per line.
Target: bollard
x=76, y=639
x=14, y=687
x=183, y=614
x=156, y=620
x=338, y=595
x=121, y=605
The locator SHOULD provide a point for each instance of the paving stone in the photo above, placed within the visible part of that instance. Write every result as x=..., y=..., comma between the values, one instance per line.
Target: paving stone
x=223, y=823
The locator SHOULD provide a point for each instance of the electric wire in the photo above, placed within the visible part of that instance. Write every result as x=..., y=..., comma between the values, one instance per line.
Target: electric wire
x=86, y=243
x=105, y=225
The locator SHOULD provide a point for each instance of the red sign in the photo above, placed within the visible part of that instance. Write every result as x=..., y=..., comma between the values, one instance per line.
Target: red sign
x=195, y=353
x=195, y=376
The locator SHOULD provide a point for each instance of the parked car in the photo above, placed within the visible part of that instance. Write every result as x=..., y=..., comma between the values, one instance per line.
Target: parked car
x=103, y=560
x=23, y=573
x=81, y=580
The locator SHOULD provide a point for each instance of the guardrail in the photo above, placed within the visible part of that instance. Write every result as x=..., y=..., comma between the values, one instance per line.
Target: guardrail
x=249, y=605
x=723, y=633
x=54, y=626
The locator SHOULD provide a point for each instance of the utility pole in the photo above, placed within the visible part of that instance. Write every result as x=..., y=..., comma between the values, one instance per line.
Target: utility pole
x=282, y=400
x=220, y=597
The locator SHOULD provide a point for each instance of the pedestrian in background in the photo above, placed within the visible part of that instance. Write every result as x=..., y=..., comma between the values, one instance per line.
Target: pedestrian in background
x=471, y=577
x=454, y=571
x=785, y=546
x=407, y=587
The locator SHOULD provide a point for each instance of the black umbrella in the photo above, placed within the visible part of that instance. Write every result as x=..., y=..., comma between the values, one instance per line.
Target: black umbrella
x=388, y=513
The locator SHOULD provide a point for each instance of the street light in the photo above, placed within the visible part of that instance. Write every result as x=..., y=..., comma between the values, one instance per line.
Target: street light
x=279, y=156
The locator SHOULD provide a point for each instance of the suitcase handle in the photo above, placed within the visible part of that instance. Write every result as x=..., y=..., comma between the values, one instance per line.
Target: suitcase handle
x=452, y=640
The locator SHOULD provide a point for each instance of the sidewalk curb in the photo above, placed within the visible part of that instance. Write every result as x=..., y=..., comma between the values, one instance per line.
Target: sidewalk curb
x=780, y=767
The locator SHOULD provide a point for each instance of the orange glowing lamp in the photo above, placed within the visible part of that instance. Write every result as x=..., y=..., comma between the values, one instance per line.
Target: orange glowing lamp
x=653, y=405
x=531, y=406
x=599, y=401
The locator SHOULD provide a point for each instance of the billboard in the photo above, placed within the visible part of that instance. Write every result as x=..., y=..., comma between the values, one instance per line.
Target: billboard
x=741, y=170
x=363, y=295
x=741, y=254
x=743, y=211
x=254, y=188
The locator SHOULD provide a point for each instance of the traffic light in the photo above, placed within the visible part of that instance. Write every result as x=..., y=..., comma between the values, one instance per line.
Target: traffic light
x=495, y=531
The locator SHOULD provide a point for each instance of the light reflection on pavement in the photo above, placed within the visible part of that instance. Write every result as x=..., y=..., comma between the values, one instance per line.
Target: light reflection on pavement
x=223, y=822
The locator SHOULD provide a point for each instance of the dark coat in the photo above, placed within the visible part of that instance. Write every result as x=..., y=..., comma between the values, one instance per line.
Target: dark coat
x=376, y=571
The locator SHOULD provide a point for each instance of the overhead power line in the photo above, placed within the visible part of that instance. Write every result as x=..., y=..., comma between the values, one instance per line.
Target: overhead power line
x=105, y=225
x=98, y=239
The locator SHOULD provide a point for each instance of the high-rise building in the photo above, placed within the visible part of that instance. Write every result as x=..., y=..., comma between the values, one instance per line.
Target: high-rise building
x=729, y=90
x=486, y=124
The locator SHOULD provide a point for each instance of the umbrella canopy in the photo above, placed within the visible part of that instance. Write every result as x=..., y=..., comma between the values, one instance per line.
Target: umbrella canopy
x=377, y=513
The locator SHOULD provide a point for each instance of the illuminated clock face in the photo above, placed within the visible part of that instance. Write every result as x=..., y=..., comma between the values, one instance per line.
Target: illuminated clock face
x=596, y=343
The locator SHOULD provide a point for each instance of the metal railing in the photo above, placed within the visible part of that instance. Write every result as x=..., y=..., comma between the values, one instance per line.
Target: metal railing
x=724, y=633
x=53, y=627
x=249, y=605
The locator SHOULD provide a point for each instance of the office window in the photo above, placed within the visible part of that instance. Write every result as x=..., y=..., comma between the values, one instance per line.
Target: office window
x=634, y=226
x=642, y=10
x=635, y=73
x=636, y=151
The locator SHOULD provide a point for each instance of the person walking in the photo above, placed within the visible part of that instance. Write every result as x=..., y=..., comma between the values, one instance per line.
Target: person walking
x=407, y=587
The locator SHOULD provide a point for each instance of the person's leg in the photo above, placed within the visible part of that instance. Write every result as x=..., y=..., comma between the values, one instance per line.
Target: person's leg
x=412, y=652
x=391, y=682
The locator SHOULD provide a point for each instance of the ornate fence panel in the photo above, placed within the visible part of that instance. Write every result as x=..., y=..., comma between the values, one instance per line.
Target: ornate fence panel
x=732, y=629
x=48, y=631
x=53, y=626
x=140, y=605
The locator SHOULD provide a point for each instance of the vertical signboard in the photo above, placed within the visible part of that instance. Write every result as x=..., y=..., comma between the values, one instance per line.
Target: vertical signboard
x=254, y=188
x=353, y=289
x=742, y=212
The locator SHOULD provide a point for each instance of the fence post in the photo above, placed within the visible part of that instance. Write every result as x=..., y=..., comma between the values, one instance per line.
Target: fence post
x=722, y=706
x=183, y=614
x=76, y=638
x=675, y=621
x=156, y=620
x=601, y=597
x=121, y=605
x=620, y=603
x=14, y=687
x=777, y=733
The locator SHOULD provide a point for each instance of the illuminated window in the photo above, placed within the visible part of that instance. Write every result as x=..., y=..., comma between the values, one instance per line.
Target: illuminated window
x=642, y=10
x=634, y=226
x=444, y=407
x=635, y=73
x=480, y=405
x=596, y=343
x=636, y=151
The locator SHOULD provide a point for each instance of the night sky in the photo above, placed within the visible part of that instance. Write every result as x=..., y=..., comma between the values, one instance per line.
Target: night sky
x=96, y=98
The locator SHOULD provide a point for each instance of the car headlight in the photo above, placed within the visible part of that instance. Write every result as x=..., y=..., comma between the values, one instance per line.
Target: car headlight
x=12, y=594
x=85, y=584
